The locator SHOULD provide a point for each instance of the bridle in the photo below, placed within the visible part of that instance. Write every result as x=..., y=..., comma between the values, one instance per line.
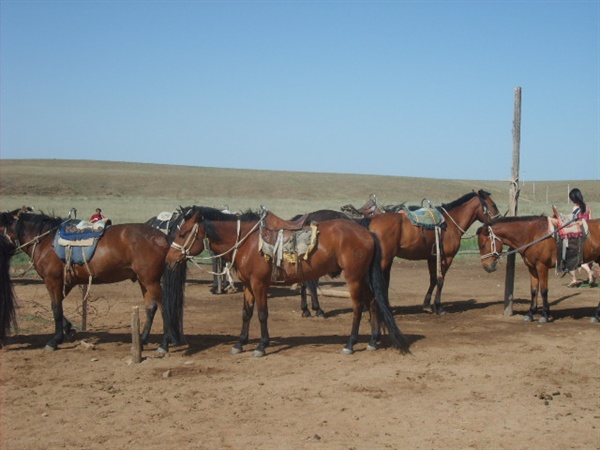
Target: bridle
x=186, y=247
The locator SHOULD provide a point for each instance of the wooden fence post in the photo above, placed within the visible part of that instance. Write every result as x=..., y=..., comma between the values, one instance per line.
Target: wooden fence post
x=513, y=200
x=136, y=348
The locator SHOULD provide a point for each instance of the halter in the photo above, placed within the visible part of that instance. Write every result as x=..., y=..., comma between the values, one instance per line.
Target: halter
x=494, y=252
x=187, y=245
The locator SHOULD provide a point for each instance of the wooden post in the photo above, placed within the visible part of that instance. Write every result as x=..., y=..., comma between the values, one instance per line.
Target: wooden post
x=84, y=307
x=513, y=200
x=136, y=348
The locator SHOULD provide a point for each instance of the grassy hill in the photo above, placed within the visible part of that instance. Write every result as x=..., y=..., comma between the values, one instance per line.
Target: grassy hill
x=134, y=192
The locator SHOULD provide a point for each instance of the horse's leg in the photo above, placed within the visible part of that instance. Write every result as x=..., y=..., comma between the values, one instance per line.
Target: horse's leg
x=150, y=305
x=68, y=329
x=247, y=312
x=260, y=293
x=303, y=302
x=543, y=286
x=314, y=297
x=375, y=324
x=596, y=317
x=437, y=306
x=357, y=309
x=534, y=283
x=431, y=265
x=55, y=289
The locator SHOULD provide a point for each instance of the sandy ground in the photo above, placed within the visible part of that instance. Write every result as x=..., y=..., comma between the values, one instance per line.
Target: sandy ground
x=475, y=378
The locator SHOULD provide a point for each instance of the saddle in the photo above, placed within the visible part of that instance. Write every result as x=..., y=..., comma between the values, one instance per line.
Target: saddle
x=165, y=221
x=75, y=241
x=273, y=222
x=283, y=241
x=369, y=209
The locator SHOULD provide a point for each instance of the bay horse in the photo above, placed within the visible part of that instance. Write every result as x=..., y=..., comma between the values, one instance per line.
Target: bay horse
x=132, y=251
x=400, y=238
x=342, y=247
x=534, y=239
x=8, y=301
x=311, y=286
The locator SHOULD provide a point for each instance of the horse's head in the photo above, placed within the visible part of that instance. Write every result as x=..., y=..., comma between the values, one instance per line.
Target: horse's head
x=188, y=240
x=489, y=210
x=490, y=247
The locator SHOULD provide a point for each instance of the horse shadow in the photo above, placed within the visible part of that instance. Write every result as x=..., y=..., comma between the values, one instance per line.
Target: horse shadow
x=200, y=343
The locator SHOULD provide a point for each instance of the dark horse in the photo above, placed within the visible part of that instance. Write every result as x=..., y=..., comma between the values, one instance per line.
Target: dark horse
x=125, y=252
x=342, y=247
x=534, y=238
x=8, y=318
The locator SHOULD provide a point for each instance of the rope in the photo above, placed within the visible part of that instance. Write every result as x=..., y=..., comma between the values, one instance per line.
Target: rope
x=523, y=247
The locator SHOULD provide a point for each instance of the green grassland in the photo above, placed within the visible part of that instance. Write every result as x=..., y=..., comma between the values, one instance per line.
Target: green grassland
x=134, y=192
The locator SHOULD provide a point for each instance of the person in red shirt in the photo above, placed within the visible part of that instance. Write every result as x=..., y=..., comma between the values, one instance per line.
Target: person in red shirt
x=97, y=216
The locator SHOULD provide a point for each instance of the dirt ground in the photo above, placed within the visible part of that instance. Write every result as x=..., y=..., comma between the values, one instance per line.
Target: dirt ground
x=475, y=378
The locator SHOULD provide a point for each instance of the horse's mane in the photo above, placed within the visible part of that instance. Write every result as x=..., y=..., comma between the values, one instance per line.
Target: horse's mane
x=512, y=219
x=458, y=202
x=36, y=223
x=208, y=215
x=214, y=214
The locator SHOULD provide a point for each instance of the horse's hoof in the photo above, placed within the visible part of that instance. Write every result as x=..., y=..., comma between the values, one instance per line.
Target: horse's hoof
x=371, y=348
x=305, y=313
x=49, y=348
x=347, y=351
x=161, y=351
x=543, y=320
x=258, y=353
x=594, y=320
x=320, y=314
x=236, y=350
x=527, y=319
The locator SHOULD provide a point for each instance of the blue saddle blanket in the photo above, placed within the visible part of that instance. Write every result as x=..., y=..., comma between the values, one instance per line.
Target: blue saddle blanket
x=76, y=240
x=427, y=218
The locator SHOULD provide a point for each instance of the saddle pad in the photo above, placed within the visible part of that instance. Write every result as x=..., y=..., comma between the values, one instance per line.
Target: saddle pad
x=427, y=218
x=75, y=252
x=76, y=244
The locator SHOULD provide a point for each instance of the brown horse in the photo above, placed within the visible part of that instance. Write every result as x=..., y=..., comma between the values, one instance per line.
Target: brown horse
x=342, y=246
x=534, y=239
x=400, y=238
x=125, y=252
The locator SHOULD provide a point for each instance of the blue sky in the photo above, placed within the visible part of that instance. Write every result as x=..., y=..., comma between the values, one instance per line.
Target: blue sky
x=401, y=88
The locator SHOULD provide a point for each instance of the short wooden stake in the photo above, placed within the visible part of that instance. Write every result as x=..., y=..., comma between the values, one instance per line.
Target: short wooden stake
x=136, y=348
x=84, y=307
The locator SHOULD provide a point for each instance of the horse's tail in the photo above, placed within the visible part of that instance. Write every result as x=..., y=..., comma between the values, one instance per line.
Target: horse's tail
x=380, y=290
x=8, y=303
x=173, y=288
